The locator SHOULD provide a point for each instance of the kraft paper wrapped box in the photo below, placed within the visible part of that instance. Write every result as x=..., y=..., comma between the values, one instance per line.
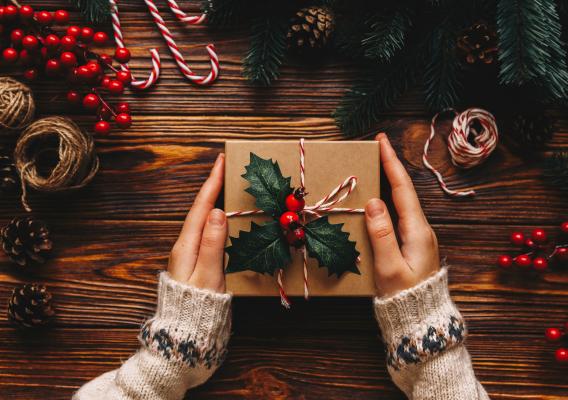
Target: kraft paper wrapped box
x=327, y=164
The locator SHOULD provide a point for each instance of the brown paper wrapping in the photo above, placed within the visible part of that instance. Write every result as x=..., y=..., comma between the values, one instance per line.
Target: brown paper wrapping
x=327, y=165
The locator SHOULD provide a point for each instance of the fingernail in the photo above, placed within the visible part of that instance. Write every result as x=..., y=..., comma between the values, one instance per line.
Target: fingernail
x=219, y=159
x=375, y=208
x=216, y=217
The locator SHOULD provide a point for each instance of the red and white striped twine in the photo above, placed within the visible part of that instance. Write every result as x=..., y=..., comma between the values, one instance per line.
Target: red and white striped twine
x=324, y=205
x=463, y=153
x=174, y=49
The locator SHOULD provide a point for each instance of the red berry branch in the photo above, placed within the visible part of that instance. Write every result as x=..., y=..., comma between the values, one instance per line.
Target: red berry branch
x=290, y=220
x=537, y=250
x=557, y=335
x=29, y=39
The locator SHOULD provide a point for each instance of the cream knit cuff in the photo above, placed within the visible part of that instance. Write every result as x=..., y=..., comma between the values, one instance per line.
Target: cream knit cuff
x=419, y=322
x=191, y=325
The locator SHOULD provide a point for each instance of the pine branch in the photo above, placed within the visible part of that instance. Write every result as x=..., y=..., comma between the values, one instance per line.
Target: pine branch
x=267, y=49
x=557, y=72
x=94, y=11
x=222, y=13
x=387, y=34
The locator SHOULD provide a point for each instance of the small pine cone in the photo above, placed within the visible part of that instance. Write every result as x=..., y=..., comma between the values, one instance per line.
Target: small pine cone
x=26, y=241
x=30, y=306
x=530, y=130
x=9, y=180
x=311, y=28
x=478, y=43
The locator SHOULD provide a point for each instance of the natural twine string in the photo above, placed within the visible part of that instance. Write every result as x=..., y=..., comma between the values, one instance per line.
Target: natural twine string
x=17, y=105
x=77, y=161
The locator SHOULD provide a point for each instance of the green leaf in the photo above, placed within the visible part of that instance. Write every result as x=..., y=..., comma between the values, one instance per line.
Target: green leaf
x=94, y=11
x=387, y=35
x=267, y=185
x=331, y=246
x=263, y=250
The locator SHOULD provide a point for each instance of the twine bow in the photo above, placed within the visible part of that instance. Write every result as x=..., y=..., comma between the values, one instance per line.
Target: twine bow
x=325, y=205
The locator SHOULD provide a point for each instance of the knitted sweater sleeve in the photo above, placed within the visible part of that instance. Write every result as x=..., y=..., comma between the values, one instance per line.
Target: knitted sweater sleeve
x=181, y=347
x=424, y=335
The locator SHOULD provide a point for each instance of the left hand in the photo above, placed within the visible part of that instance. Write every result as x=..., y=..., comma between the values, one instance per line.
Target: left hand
x=197, y=255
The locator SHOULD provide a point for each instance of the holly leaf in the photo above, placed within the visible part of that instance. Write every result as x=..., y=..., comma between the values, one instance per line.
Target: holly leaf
x=264, y=249
x=331, y=246
x=267, y=185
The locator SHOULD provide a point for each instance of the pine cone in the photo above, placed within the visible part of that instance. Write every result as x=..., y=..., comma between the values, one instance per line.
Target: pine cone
x=26, y=241
x=9, y=180
x=30, y=306
x=530, y=130
x=478, y=43
x=311, y=28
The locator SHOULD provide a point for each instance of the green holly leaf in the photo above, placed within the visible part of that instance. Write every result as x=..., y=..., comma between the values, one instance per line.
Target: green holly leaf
x=331, y=246
x=264, y=249
x=267, y=185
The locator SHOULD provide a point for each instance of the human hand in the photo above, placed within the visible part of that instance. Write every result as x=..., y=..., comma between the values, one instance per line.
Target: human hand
x=398, y=268
x=197, y=255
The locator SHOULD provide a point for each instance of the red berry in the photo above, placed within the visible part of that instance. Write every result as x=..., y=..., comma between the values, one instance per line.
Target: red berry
x=123, y=120
x=122, y=55
x=124, y=76
x=105, y=81
x=561, y=355
x=74, y=31
x=94, y=67
x=295, y=201
x=91, y=101
x=61, y=17
x=517, y=238
x=105, y=113
x=539, y=235
x=102, y=127
x=505, y=261
x=10, y=12
x=26, y=12
x=30, y=42
x=68, y=42
x=523, y=260
x=31, y=74
x=43, y=52
x=10, y=55
x=553, y=334
x=106, y=59
x=530, y=243
x=564, y=227
x=561, y=253
x=44, y=17
x=123, y=108
x=296, y=238
x=68, y=59
x=115, y=87
x=84, y=73
x=1, y=12
x=100, y=38
x=540, y=263
x=73, y=97
x=86, y=34
x=51, y=41
x=52, y=67
x=16, y=36
x=289, y=220
x=25, y=57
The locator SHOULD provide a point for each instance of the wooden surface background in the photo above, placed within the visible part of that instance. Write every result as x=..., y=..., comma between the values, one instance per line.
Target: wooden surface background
x=113, y=237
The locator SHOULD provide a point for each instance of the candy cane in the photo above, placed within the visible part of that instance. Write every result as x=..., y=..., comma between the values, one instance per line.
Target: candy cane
x=183, y=17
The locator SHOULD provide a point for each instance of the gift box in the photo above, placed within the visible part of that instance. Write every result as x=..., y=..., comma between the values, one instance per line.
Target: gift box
x=326, y=165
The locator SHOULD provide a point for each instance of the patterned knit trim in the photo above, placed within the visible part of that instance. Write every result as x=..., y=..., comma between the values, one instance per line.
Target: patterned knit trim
x=186, y=351
x=418, y=348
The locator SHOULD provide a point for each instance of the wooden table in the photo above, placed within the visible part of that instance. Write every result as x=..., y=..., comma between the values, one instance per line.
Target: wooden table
x=113, y=237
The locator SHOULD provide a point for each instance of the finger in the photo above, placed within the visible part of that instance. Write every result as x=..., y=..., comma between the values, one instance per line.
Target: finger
x=185, y=251
x=208, y=272
x=403, y=193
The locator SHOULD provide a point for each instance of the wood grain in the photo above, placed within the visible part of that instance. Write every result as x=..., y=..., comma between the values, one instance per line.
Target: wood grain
x=113, y=237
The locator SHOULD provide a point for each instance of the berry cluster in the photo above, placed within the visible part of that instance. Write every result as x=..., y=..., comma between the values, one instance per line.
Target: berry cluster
x=290, y=220
x=557, y=335
x=30, y=40
x=538, y=252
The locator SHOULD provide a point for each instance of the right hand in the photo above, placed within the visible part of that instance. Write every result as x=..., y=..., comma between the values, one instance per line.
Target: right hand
x=398, y=268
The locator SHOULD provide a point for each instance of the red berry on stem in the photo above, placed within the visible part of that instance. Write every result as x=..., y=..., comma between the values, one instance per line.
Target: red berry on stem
x=295, y=201
x=26, y=12
x=564, y=227
x=289, y=220
x=124, y=76
x=52, y=67
x=31, y=74
x=25, y=57
x=115, y=87
x=102, y=127
x=1, y=13
x=16, y=36
x=540, y=263
x=61, y=17
x=539, y=235
x=523, y=260
x=84, y=73
x=74, y=31
x=73, y=97
x=561, y=253
x=123, y=108
x=105, y=113
x=100, y=38
x=68, y=42
x=106, y=59
x=86, y=34
x=10, y=55
x=94, y=67
x=517, y=238
x=105, y=81
x=530, y=243
x=91, y=101
x=122, y=55
x=296, y=237
x=10, y=12
x=52, y=41
x=553, y=334
x=30, y=42
x=68, y=59
x=44, y=17
x=504, y=261
x=561, y=355
x=123, y=120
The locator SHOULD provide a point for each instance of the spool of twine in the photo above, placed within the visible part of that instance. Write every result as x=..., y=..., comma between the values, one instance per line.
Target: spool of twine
x=17, y=105
x=74, y=161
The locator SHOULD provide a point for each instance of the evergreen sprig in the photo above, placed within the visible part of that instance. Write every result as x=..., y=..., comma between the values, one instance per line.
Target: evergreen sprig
x=387, y=34
x=222, y=13
x=94, y=11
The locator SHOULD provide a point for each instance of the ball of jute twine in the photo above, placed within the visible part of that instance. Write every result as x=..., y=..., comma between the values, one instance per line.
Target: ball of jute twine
x=17, y=105
x=77, y=162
